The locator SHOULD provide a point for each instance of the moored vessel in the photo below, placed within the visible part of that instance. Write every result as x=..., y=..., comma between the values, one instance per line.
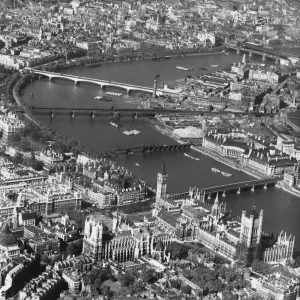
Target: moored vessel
x=135, y=132
x=113, y=94
x=127, y=132
x=103, y=98
x=226, y=174
x=114, y=124
x=183, y=68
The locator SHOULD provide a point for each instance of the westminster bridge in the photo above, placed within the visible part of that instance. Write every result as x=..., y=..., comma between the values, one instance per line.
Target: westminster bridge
x=238, y=187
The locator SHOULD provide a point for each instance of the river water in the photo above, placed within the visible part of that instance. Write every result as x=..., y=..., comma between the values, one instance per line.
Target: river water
x=281, y=210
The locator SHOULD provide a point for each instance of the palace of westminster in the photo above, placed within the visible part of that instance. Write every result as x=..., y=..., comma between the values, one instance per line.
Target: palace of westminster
x=185, y=219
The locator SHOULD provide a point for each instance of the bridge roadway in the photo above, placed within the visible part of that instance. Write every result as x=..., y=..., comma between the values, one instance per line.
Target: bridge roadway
x=139, y=111
x=239, y=186
x=148, y=148
x=102, y=83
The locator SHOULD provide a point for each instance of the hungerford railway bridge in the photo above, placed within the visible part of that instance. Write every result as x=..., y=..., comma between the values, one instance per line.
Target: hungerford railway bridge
x=149, y=149
x=126, y=112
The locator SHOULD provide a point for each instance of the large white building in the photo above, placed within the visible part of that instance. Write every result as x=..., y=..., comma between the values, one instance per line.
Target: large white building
x=261, y=75
x=50, y=158
x=10, y=125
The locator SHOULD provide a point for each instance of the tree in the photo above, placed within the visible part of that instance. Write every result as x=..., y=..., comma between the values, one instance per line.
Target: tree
x=126, y=279
x=261, y=267
x=174, y=283
x=71, y=249
x=186, y=289
x=136, y=288
x=187, y=274
x=38, y=165
x=149, y=276
x=97, y=283
x=214, y=286
x=16, y=138
x=17, y=158
x=95, y=273
x=105, y=291
x=45, y=260
x=177, y=250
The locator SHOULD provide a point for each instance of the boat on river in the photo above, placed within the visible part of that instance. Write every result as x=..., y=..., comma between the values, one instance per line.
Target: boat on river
x=182, y=68
x=137, y=164
x=135, y=132
x=103, y=98
x=127, y=132
x=226, y=174
x=215, y=170
x=114, y=124
x=214, y=66
x=187, y=155
x=113, y=94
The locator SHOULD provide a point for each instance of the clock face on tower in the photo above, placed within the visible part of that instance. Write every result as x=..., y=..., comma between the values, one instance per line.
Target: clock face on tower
x=159, y=179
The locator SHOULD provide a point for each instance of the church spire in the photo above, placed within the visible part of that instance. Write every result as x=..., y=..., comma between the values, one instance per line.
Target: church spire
x=215, y=211
x=164, y=169
x=216, y=203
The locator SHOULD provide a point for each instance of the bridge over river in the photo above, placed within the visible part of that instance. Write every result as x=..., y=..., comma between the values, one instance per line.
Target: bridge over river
x=250, y=51
x=238, y=187
x=126, y=112
x=148, y=149
x=103, y=83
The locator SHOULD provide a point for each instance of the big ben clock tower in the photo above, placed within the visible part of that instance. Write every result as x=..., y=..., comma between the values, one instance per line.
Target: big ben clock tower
x=162, y=180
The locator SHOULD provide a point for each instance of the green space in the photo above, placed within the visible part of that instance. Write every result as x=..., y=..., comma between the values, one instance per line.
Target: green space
x=115, y=286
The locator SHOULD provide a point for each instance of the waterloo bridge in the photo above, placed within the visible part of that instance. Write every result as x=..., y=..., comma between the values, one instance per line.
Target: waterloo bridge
x=102, y=83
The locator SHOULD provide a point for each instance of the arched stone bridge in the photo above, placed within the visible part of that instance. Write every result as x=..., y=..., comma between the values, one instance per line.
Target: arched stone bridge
x=100, y=82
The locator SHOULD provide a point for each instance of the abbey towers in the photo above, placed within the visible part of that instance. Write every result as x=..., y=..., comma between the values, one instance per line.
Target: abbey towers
x=92, y=241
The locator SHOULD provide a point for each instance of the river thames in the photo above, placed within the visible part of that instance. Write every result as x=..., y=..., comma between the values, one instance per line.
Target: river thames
x=281, y=210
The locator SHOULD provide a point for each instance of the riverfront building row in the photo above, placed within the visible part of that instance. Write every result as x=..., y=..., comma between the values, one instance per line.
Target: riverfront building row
x=271, y=156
